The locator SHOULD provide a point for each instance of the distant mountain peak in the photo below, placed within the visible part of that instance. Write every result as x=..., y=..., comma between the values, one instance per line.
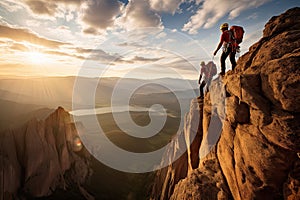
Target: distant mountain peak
x=42, y=156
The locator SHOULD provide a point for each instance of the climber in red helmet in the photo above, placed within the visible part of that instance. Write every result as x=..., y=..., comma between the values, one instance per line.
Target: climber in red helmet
x=228, y=49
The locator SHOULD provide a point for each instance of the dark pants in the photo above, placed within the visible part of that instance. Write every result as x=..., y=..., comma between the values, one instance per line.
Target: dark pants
x=224, y=55
x=202, y=85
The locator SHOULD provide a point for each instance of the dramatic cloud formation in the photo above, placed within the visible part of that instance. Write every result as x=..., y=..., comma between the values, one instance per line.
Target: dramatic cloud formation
x=129, y=33
x=96, y=16
x=99, y=15
x=44, y=8
x=138, y=14
x=213, y=10
x=56, y=48
x=21, y=34
x=170, y=6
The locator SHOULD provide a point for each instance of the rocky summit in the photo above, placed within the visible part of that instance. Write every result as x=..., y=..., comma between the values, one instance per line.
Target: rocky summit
x=256, y=154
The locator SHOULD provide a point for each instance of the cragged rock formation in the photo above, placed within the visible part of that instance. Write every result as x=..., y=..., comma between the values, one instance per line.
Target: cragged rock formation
x=40, y=157
x=168, y=177
x=255, y=156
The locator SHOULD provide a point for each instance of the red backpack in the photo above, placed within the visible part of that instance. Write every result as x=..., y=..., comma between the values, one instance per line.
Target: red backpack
x=237, y=33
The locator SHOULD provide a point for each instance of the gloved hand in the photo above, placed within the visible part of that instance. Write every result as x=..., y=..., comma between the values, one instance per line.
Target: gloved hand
x=215, y=52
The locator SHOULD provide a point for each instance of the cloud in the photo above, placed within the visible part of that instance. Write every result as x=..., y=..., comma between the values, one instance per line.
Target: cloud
x=59, y=53
x=42, y=7
x=64, y=28
x=141, y=36
x=143, y=59
x=99, y=14
x=253, y=16
x=19, y=47
x=98, y=55
x=113, y=58
x=33, y=23
x=95, y=16
x=139, y=14
x=74, y=2
x=21, y=34
x=161, y=35
x=46, y=7
x=213, y=10
x=137, y=60
x=89, y=51
x=130, y=44
x=169, y=6
x=182, y=64
x=10, y=5
x=91, y=31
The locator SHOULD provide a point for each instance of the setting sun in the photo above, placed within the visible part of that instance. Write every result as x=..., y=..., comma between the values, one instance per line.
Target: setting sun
x=37, y=57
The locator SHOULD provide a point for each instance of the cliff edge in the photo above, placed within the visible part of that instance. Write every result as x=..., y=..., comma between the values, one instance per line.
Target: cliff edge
x=255, y=156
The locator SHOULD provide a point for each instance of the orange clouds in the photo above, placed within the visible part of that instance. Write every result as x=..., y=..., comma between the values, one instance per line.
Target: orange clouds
x=24, y=35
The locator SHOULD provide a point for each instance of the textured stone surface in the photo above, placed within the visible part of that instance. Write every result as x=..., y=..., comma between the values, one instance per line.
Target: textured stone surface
x=38, y=158
x=292, y=185
x=190, y=139
x=204, y=183
x=257, y=155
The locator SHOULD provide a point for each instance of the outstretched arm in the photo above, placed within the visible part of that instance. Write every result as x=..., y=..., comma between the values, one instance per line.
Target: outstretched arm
x=219, y=46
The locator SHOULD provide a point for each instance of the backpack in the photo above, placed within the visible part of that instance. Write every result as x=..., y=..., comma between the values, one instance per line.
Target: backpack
x=237, y=33
x=213, y=68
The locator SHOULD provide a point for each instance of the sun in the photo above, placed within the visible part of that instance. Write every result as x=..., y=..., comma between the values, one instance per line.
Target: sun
x=36, y=57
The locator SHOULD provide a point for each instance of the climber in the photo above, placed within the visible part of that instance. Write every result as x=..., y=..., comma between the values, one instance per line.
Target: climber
x=208, y=71
x=228, y=48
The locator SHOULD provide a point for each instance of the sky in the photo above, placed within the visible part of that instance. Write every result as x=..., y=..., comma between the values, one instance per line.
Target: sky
x=121, y=38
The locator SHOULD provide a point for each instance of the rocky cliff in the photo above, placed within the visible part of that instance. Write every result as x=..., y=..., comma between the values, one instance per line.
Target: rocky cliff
x=255, y=156
x=41, y=157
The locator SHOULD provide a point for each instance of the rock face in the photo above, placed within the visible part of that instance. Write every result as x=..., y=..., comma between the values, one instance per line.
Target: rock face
x=256, y=154
x=168, y=177
x=40, y=157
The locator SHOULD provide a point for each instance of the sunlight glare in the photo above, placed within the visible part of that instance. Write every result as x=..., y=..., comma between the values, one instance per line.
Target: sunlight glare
x=37, y=57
